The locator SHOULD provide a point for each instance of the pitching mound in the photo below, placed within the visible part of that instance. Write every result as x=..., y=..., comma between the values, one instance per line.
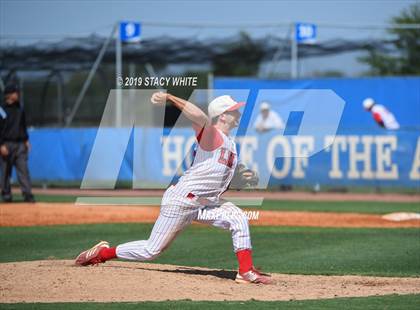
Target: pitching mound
x=61, y=281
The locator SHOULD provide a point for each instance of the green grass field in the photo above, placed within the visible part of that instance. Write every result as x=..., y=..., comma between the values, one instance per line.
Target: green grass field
x=313, y=206
x=298, y=250
x=342, y=206
x=389, y=302
x=292, y=250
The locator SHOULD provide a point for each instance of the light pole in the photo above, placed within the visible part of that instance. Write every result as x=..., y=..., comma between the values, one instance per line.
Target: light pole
x=118, y=75
x=294, y=53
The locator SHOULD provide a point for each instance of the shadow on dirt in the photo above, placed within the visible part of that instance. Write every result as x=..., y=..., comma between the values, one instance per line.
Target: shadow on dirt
x=222, y=274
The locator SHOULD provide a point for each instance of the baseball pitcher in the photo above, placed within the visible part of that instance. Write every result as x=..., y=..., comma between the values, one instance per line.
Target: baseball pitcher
x=198, y=189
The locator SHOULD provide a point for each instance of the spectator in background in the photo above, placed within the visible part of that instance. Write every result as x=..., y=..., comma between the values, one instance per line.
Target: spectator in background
x=14, y=145
x=381, y=115
x=267, y=119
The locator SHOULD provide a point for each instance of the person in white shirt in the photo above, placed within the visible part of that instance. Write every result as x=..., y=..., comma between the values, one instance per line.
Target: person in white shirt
x=267, y=119
x=381, y=115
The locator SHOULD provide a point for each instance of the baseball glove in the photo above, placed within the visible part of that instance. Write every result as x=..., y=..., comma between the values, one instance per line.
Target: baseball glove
x=243, y=177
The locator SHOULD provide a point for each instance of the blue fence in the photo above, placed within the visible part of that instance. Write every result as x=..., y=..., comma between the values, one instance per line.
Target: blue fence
x=357, y=158
x=362, y=154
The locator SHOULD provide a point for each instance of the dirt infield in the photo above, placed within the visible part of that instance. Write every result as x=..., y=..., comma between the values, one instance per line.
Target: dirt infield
x=61, y=281
x=22, y=214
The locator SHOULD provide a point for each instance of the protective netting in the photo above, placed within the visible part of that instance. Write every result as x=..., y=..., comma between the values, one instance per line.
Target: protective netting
x=77, y=53
x=52, y=74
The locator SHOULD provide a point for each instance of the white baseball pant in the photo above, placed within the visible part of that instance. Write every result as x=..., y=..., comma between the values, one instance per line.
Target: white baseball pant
x=178, y=212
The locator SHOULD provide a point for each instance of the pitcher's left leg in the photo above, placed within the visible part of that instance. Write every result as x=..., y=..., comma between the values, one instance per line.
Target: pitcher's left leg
x=230, y=217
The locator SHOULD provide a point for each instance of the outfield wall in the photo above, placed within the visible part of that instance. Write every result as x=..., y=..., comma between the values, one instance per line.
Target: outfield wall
x=362, y=153
x=374, y=158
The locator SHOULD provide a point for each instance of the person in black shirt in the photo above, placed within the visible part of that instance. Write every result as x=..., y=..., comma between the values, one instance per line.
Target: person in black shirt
x=14, y=145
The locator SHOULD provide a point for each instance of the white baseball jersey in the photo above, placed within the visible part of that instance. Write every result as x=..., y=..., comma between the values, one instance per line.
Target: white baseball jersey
x=383, y=116
x=213, y=166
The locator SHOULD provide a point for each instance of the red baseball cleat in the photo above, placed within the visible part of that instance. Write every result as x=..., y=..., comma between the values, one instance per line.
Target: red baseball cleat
x=253, y=276
x=91, y=256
